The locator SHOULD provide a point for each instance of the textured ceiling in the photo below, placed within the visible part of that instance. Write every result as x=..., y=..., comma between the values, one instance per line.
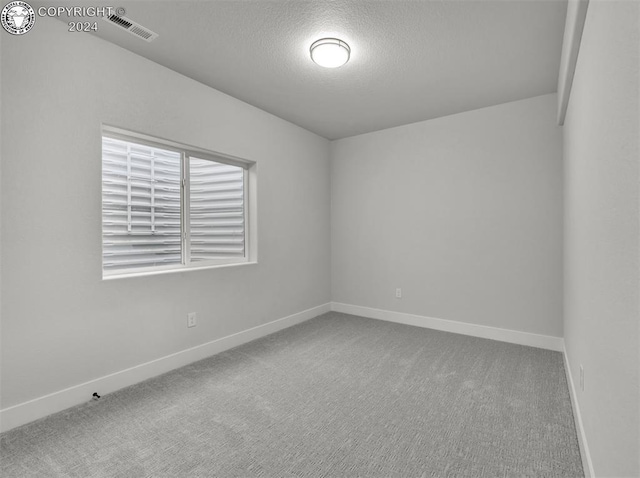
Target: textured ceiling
x=410, y=60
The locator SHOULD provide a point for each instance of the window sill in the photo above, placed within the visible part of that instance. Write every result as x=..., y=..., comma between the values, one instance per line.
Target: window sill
x=176, y=270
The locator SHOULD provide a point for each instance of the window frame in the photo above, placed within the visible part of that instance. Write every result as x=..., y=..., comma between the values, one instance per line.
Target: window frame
x=186, y=153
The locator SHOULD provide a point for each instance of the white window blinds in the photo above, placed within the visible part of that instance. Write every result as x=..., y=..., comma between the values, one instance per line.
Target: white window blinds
x=140, y=206
x=164, y=208
x=216, y=210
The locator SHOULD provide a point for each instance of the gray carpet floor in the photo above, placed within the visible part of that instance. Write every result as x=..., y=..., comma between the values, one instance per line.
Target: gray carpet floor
x=335, y=396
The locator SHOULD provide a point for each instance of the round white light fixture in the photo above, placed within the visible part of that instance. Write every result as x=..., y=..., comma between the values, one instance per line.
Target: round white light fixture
x=330, y=52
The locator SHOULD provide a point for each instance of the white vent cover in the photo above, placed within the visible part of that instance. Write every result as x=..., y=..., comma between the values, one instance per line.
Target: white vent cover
x=132, y=27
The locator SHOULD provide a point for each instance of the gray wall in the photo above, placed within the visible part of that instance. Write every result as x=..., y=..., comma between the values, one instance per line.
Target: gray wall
x=464, y=213
x=602, y=264
x=61, y=324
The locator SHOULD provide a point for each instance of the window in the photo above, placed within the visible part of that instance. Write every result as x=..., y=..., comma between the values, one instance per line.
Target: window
x=168, y=207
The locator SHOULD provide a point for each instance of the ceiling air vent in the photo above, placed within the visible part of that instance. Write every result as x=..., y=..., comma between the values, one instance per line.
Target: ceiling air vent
x=133, y=27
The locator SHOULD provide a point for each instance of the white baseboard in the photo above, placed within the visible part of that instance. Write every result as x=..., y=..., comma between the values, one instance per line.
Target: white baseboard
x=464, y=328
x=587, y=464
x=26, y=412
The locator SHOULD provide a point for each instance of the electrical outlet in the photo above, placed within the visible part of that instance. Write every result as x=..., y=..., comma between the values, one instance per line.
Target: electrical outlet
x=398, y=293
x=191, y=319
x=581, y=378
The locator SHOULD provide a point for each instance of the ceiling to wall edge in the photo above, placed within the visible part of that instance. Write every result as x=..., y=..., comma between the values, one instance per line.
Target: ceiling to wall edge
x=574, y=25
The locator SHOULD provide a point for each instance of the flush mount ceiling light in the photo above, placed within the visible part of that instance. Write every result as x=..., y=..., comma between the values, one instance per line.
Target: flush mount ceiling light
x=330, y=52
